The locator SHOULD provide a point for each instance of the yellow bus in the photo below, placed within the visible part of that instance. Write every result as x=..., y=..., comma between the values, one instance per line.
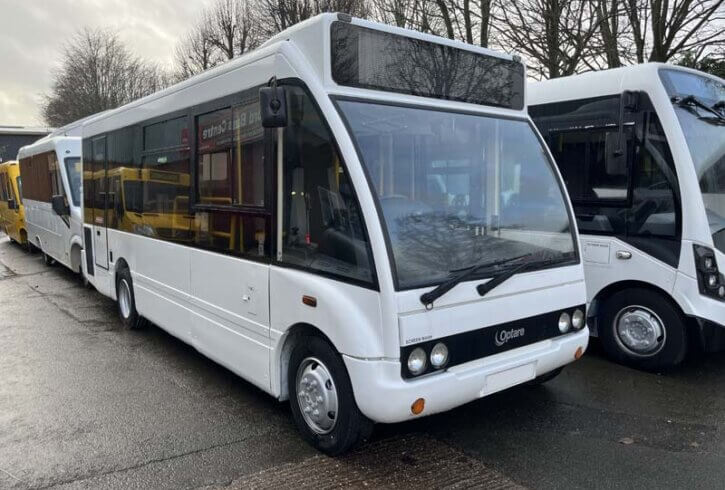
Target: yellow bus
x=12, y=214
x=127, y=210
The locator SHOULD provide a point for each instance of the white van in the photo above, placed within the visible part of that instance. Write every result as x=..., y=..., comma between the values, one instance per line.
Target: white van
x=52, y=188
x=358, y=218
x=642, y=152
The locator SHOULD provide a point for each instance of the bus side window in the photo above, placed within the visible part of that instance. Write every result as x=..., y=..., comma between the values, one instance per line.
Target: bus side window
x=322, y=226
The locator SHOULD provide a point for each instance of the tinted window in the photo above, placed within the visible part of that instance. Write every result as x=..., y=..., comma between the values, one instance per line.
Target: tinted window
x=323, y=226
x=73, y=172
x=167, y=134
x=372, y=59
x=230, y=162
x=635, y=195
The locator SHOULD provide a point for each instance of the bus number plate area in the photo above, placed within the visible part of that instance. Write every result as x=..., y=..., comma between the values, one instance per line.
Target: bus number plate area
x=508, y=378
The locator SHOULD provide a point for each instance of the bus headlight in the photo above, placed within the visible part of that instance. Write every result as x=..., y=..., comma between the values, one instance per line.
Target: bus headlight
x=417, y=361
x=709, y=279
x=564, y=322
x=439, y=355
x=577, y=319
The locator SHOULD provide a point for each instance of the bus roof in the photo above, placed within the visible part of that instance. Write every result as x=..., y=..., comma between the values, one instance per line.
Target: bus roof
x=63, y=145
x=596, y=83
x=306, y=38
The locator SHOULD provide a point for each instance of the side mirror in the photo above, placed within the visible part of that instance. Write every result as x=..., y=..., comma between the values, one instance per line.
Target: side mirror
x=59, y=206
x=273, y=106
x=628, y=103
x=12, y=204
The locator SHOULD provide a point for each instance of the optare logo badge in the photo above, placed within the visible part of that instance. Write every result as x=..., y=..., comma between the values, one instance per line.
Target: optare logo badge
x=503, y=336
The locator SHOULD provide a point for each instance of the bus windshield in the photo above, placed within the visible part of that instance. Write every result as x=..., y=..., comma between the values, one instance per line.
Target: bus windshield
x=456, y=190
x=705, y=135
x=73, y=171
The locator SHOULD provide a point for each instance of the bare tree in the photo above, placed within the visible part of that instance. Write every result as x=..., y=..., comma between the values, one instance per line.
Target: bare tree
x=555, y=35
x=97, y=73
x=225, y=30
x=663, y=30
x=195, y=53
x=274, y=16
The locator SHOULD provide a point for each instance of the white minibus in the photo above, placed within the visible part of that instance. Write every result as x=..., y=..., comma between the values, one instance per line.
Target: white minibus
x=642, y=152
x=51, y=173
x=358, y=218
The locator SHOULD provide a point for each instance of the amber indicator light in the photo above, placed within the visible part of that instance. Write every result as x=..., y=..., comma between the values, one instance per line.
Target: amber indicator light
x=309, y=301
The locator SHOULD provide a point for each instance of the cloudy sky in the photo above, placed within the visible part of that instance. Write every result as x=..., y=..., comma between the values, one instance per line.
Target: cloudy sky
x=32, y=34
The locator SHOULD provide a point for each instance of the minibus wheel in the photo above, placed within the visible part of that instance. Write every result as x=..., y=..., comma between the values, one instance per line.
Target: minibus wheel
x=126, y=301
x=643, y=329
x=322, y=400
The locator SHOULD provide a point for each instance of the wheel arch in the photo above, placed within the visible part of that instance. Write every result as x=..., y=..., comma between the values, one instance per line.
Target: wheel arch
x=284, y=351
x=615, y=287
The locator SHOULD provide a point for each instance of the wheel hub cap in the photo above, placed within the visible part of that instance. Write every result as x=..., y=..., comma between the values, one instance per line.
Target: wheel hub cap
x=124, y=299
x=640, y=330
x=317, y=396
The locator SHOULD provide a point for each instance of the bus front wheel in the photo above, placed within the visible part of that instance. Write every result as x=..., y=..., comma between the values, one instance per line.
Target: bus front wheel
x=322, y=400
x=643, y=329
x=126, y=301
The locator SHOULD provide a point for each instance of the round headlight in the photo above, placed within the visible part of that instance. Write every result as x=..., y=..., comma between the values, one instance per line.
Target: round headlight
x=417, y=361
x=711, y=281
x=439, y=355
x=577, y=319
x=564, y=322
x=709, y=263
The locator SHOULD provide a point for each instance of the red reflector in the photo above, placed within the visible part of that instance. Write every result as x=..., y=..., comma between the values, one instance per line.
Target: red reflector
x=309, y=301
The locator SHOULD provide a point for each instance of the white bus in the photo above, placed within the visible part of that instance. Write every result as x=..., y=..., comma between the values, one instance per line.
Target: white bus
x=642, y=152
x=357, y=218
x=51, y=172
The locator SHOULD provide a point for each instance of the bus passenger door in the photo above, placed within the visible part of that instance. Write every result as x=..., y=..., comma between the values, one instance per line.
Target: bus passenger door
x=100, y=236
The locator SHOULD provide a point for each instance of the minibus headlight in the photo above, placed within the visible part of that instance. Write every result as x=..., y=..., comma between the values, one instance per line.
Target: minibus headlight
x=577, y=319
x=709, y=279
x=564, y=322
x=439, y=355
x=417, y=361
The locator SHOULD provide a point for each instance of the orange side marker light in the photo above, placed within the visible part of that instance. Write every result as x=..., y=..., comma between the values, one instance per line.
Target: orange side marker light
x=417, y=407
x=579, y=353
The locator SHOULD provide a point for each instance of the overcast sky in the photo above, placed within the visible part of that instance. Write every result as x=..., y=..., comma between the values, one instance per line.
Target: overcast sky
x=32, y=33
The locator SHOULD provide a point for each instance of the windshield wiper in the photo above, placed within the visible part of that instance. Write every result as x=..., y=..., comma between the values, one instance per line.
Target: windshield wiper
x=484, y=289
x=691, y=100
x=428, y=298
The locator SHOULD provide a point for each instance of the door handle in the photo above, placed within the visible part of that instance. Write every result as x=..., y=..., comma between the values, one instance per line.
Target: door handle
x=624, y=255
x=246, y=298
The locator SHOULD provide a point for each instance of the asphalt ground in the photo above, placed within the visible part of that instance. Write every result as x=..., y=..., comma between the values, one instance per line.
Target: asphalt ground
x=87, y=404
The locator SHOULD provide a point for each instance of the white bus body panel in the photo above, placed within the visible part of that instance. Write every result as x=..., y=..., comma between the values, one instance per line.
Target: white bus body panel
x=602, y=266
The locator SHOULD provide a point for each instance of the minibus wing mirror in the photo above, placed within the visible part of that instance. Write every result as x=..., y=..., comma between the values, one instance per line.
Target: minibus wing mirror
x=628, y=103
x=12, y=204
x=59, y=206
x=273, y=106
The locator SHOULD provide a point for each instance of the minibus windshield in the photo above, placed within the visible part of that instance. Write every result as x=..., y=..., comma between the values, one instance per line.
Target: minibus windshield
x=705, y=135
x=73, y=171
x=456, y=190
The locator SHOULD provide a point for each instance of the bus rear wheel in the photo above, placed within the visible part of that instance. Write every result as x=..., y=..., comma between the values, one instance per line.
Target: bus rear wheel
x=322, y=400
x=641, y=328
x=126, y=301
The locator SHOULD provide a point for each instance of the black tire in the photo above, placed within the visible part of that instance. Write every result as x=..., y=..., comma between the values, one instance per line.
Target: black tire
x=544, y=378
x=127, y=311
x=49, y=261
x=350, y=426
x=673, y=344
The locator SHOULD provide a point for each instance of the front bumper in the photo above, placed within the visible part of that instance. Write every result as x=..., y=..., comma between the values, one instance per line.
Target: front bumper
x=384, y=396
x=709, y=313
